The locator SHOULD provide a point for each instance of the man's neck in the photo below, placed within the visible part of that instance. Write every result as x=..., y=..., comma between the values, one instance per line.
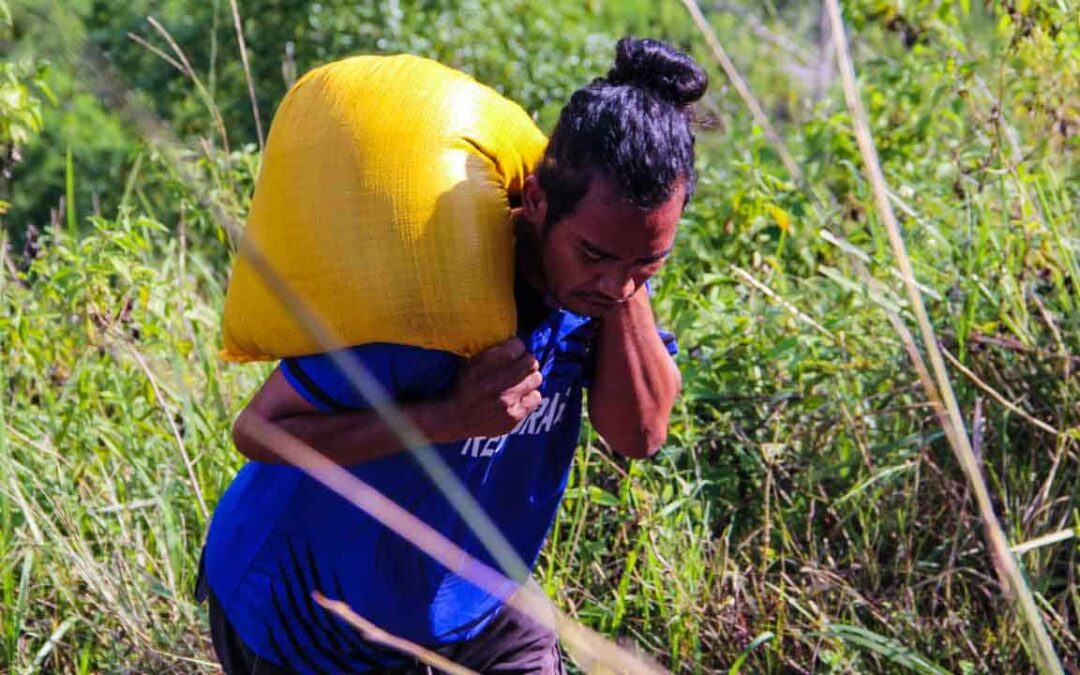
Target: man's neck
x=527, y=251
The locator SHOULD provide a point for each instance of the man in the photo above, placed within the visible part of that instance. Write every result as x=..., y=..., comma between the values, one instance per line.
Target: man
x=594, y=223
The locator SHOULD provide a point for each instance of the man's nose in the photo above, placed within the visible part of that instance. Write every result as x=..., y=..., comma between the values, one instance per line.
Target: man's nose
x=617, y=287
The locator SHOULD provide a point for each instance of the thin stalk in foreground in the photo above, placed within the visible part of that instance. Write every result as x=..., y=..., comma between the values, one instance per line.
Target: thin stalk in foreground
x=590, y=649
x=1007, y=567
x=373, y=633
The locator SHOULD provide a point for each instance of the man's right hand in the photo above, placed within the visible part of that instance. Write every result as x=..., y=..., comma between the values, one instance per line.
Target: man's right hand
x=494, y=391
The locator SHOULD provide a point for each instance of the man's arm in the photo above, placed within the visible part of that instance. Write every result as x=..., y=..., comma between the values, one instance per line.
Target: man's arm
x=635, y=383
x=492, y=393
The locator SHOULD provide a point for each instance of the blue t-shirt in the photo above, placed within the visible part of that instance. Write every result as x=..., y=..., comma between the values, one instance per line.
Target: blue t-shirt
x=277, y=534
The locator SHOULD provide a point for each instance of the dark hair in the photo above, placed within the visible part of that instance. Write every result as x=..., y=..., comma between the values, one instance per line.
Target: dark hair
x=632, y=127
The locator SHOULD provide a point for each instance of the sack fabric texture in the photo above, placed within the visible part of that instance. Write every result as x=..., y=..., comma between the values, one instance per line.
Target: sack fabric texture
x=383, y=204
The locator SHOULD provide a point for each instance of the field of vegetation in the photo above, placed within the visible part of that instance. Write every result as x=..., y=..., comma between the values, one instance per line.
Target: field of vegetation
x=808, y=513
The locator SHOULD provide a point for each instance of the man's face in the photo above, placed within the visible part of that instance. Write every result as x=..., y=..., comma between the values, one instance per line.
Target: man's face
x=599, y=255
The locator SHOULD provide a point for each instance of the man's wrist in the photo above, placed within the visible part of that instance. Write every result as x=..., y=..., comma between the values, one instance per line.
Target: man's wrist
x=437, y=420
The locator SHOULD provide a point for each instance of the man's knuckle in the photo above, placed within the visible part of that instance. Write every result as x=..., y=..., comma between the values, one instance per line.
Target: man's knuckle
x=515, y=347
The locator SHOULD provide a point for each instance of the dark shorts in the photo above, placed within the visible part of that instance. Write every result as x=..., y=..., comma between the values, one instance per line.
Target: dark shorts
x=511, y=644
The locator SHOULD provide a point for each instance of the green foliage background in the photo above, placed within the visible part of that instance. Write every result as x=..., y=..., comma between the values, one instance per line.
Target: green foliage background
x=806, y=516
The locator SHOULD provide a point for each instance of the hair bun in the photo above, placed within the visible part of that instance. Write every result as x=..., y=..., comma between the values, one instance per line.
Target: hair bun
x=659, y=68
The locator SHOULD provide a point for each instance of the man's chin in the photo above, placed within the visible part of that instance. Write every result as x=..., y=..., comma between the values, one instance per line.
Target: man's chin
x=595, y=310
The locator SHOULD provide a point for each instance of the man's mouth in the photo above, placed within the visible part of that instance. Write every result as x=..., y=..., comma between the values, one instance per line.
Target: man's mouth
x=600, y=300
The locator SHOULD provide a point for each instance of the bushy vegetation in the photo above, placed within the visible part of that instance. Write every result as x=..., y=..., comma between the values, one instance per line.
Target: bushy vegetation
x=807, y=514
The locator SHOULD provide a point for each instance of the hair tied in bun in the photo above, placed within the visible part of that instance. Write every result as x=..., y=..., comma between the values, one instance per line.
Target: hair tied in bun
x=654, y=66
x=634, y=127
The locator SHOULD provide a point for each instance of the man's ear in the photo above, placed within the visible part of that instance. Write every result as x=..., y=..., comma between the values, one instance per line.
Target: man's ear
x=533, y=201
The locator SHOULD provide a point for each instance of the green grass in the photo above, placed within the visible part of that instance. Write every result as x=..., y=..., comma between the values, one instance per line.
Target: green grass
x=807, y=514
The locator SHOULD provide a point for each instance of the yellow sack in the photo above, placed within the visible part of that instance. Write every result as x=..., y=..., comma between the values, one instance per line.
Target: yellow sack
x=383, y=203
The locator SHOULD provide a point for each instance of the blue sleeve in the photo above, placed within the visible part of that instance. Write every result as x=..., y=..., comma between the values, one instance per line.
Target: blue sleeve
x=404, y=372
x=667, y=337
x=671, y=343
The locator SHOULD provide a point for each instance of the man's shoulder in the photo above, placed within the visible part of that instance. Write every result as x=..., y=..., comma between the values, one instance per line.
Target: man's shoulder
x=338, y=380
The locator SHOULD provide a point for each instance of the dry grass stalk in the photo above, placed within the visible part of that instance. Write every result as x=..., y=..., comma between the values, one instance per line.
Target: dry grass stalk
x=743, y=89
x=139, y=40
x=177, y=436
x=770, y=293
x=1044, y=540
x=242, y=44
x=180, y=63
x=996, y=395
x=373, y=633
x=1004, y=561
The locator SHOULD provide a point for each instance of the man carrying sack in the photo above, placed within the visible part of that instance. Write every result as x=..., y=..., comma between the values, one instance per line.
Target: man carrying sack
x=592, y=220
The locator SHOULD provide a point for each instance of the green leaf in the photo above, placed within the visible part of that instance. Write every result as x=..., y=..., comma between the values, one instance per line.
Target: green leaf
x=602, y=497
x=736, y=667
x=894, y=651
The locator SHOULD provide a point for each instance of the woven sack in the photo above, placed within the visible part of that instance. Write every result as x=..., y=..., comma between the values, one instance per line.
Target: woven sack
x=383, y=204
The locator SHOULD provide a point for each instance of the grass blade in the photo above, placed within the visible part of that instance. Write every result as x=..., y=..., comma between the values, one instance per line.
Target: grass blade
x=884, y=646
x=69, y=191
x=757, y=642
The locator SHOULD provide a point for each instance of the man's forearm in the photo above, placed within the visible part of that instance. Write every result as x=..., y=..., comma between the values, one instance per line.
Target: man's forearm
x=347, y=438
x=636, y=381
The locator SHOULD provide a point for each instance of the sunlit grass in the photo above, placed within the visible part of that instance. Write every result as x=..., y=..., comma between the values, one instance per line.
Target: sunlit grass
x=807, y=513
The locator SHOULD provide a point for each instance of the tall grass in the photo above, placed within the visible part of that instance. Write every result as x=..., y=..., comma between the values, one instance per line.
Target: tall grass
x=807, y=513
x=940, y=389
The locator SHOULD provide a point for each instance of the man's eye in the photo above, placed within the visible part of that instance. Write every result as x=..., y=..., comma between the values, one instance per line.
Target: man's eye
x=592, y=255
